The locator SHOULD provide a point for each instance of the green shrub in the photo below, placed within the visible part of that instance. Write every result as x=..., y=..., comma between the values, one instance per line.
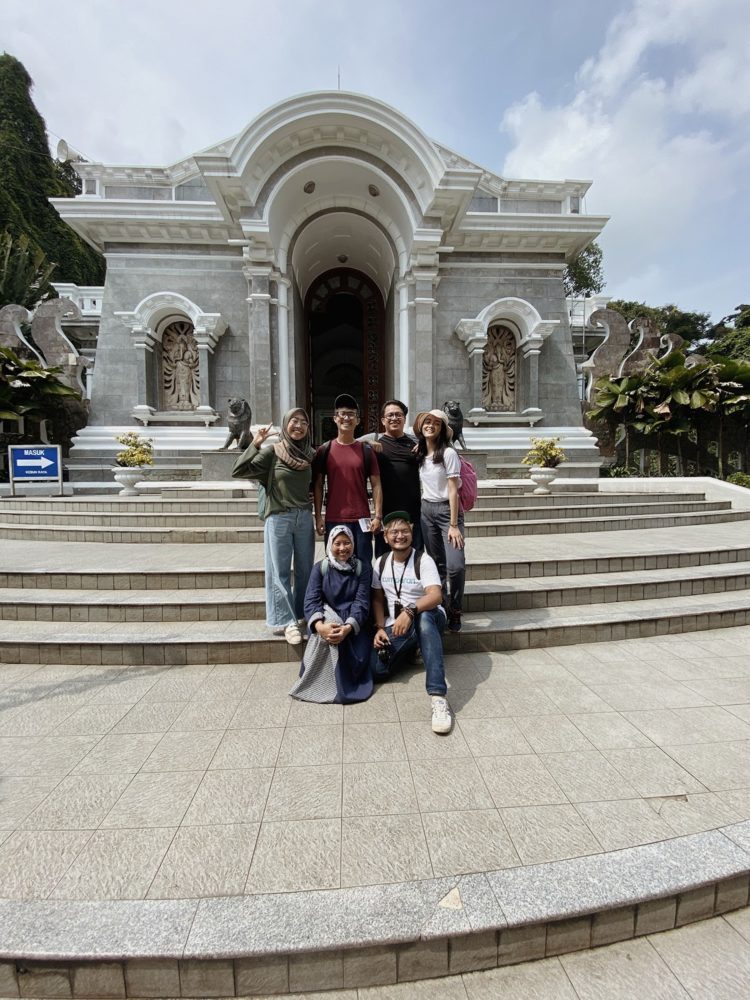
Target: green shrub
x=545, y=452
x=619, y=472
x=740, y=479
x=138, y=451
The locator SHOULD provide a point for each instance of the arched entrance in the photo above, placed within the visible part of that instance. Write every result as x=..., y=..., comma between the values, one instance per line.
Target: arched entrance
x=344, y=319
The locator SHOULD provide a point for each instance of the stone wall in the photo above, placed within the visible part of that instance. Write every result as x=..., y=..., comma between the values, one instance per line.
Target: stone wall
x=215, y=285
x=464, y=291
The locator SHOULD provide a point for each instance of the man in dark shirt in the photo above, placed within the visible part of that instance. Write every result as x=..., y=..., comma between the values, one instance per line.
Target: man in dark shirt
x=399, y=472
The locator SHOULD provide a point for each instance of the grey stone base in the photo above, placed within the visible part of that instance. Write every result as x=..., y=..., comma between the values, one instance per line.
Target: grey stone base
x=374, y=935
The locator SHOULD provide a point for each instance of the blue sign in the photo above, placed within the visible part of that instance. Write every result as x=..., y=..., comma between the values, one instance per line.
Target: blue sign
x=37, y=462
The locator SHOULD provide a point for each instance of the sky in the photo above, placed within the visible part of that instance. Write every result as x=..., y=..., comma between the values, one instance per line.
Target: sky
x=648, y=99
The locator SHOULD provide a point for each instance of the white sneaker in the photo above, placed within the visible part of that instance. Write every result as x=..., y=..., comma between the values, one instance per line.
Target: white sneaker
x=292, y=634
x=442, y=719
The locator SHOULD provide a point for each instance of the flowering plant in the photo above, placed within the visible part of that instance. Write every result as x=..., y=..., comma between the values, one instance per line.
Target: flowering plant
x=545, y=452
x=138, y=451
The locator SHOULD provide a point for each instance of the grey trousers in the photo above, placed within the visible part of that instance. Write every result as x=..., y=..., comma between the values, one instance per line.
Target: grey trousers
x=451, y=562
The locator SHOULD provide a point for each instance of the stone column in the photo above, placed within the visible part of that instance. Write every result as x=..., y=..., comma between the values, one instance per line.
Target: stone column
x=403, y=387
x=474, y=336
x=531, y=381
x=425, y=279
x=143, y=341
x=207, y=331
x=259, y=335
x=283, y=285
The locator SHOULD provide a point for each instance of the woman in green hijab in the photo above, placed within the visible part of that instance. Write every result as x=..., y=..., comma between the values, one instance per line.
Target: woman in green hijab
x=283, y=470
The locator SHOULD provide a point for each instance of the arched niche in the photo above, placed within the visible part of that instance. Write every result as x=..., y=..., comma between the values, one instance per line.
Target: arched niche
x=175, y=341
x=520, y=320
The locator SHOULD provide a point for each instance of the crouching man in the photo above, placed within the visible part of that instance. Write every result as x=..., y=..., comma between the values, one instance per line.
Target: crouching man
x=407, y=609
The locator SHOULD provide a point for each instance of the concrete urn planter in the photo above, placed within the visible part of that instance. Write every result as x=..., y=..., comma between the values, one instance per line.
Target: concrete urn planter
x=127, y=476
x=542, y=476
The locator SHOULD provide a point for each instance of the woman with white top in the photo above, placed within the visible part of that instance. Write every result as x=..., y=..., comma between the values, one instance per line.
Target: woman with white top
x=442, y=516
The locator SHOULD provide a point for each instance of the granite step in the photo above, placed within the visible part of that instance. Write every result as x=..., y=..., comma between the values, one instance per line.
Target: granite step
x=85, y=605
x=249, y=534
x=236, y=501
x=243, y=516
x=492, y=569
x=613, y=508
x=248, y=641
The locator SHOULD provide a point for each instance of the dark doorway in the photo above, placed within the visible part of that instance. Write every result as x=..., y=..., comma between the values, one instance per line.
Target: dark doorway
x=344, y=313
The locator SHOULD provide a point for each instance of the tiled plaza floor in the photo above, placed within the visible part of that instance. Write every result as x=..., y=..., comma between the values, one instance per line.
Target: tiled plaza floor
x=138, y=782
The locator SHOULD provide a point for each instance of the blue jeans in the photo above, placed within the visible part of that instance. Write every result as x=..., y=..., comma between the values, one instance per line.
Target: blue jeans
x=450, y=561
x=289, y=536
x=362, y=539
x=426, y=633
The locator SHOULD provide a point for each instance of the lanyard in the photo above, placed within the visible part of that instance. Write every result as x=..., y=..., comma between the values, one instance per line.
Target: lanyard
x=398, y=586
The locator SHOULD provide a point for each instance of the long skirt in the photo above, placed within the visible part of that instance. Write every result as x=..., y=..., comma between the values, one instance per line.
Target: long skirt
x=335, y=674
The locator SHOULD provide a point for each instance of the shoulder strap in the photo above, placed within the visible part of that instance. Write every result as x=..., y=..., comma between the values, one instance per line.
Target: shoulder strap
x=324, y=566
x=324, y=449
x=366, y=451
x=417, y=564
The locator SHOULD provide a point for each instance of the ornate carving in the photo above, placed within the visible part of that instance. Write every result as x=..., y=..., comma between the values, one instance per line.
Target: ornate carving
x=12, y=320
x=499, y=370
x=180, y=376
x=606, y=358
x=647, y=347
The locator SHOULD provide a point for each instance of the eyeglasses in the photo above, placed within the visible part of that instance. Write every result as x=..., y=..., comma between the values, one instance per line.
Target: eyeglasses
x=399, y=531
x=297, y=422
x=396, y=415
x=346, y=414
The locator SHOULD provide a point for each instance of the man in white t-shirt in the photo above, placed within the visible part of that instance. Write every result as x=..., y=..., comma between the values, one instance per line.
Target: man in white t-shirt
x=407, y=608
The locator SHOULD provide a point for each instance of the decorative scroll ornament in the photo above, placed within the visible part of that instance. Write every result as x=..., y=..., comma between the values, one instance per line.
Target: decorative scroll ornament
x=499, y=371
x=180, y=367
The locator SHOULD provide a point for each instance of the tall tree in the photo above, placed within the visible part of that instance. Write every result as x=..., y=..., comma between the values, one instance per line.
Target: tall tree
x=693, y=327
x=24, y=273
x=584, y=275
x=731, y=335
x=29, y=177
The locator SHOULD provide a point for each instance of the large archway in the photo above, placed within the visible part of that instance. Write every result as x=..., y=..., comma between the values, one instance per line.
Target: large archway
x=344, y=319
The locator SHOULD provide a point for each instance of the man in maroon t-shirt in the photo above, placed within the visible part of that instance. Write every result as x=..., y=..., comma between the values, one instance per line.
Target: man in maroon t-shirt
x=344, y=464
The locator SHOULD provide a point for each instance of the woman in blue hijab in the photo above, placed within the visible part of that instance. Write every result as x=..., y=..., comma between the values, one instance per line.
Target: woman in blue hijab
x=336, y=665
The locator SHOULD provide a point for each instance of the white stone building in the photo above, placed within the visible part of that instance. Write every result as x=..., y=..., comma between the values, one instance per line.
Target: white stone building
x=332, y=246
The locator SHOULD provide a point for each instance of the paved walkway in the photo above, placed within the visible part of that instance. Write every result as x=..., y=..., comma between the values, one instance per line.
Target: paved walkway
x=154, y=782
x=705, y=961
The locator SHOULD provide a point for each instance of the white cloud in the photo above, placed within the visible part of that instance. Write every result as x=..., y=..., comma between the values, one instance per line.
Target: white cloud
x=659, y=121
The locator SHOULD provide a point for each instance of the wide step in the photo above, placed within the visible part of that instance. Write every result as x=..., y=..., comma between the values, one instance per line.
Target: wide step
x=250, y=641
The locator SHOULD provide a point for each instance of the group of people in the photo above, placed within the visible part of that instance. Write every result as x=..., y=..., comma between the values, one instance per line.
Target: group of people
x=363, y=621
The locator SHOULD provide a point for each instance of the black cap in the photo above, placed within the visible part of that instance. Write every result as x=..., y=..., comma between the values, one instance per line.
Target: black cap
x=345, y=402
x=396, y=515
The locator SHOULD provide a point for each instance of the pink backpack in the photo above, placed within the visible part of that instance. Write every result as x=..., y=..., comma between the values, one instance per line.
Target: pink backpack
x=467, y=491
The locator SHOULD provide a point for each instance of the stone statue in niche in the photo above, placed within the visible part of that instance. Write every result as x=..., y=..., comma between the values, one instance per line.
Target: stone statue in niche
x=180, y=367
x=499, y=371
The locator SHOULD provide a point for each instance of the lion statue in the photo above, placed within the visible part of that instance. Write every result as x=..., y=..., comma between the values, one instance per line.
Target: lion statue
x=239, y=416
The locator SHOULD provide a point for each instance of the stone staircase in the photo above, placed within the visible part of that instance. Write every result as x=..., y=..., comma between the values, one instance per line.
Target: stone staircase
x=196, y=615
x=579, y=566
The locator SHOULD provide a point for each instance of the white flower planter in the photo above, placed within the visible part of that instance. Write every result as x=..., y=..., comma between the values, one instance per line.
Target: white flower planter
x=127, y=476
x=542, y=477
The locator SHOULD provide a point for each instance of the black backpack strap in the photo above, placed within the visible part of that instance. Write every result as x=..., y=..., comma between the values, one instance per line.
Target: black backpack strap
x=366, y=452
x=381, y=564
x=417, y=565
